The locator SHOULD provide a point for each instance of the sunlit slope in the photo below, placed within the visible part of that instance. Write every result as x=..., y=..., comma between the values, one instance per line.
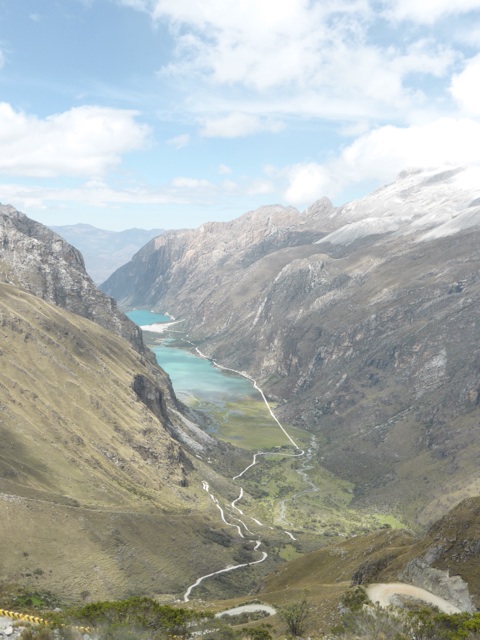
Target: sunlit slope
x=94, y=493
x=323, y=576
x=70, y=414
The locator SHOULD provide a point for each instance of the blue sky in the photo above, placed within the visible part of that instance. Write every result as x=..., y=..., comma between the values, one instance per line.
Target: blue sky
x=170, y=113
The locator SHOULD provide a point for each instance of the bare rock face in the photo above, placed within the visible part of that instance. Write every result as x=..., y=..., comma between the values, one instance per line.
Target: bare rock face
x=441, y=583
x=360, y=320
x=38, y=260
x=446, y=559
x=198, y=261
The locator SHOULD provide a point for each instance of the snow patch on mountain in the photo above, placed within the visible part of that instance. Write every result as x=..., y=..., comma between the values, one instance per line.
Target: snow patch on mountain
x=436, y=203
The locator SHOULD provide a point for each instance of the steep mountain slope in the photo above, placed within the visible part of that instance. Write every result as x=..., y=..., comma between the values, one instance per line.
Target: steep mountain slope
x=89, y=477
x=195, y=262
x=97, y=495
x=361, y=320
x=105, y=251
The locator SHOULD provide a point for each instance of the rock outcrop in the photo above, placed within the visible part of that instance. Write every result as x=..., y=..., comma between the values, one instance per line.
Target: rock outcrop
x=40, y=261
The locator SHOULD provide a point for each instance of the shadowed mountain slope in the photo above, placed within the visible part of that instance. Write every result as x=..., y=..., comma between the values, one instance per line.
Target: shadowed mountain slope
x=95, y=495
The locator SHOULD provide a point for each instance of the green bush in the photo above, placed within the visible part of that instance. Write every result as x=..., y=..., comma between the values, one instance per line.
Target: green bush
x=355, y=598
x=133, y=618
x=296, y=616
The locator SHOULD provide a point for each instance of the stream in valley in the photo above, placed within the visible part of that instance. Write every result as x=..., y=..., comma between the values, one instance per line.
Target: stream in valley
x=236, y=399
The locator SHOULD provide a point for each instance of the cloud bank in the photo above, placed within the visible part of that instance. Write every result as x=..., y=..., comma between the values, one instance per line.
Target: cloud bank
x=83, y=141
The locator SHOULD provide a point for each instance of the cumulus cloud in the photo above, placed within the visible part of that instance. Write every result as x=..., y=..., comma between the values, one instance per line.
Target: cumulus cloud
x=465, y=87
x=306, y=182
x=84, y=141
x=326, y=53
x=382, y=153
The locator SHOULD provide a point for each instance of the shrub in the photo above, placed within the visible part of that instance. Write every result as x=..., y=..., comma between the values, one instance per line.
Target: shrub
x=296, y=616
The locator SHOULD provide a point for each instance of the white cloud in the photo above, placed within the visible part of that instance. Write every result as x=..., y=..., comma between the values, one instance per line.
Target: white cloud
x=84, y=141
x=95, y=193
x=179, y=141
x=320, y=59
x=223, y=169
x=382, y=153
x=465, y=87
x=424, y=56
x=238, y=125
x=429, y=11
x=388, y=149
x=306, y=182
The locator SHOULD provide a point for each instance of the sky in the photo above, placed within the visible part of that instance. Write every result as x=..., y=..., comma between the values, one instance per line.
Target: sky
x=170, y=113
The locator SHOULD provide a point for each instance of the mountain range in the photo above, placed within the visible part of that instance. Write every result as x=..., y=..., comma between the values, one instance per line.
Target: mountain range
x=103, y=250
x=360, y=321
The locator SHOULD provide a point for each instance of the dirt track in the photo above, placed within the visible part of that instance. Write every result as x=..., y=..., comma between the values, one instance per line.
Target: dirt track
x=382, y=593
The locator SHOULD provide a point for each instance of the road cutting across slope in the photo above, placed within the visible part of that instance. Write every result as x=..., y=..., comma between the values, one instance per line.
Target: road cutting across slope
x=383, y=594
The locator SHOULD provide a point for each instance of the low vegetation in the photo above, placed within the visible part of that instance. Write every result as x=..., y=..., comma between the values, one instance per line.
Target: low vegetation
x=374, y=623
x=139, y=618
x=295, y=616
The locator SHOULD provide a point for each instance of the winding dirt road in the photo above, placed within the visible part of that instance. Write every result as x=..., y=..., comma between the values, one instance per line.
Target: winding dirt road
x=299, y=453
x=383, y=593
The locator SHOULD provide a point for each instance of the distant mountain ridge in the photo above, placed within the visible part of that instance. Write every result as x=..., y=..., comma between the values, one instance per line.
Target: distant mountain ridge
x=361, y=320
x=105, y=251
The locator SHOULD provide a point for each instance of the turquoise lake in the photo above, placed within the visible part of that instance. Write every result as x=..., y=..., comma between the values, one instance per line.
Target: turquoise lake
x=143, y=317
x=194, y=378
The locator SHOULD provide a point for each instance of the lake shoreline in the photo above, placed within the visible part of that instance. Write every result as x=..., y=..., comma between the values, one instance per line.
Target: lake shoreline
x=159, y=327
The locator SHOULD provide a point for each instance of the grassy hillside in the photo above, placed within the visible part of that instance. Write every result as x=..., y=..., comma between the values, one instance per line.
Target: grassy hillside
x=95, y=495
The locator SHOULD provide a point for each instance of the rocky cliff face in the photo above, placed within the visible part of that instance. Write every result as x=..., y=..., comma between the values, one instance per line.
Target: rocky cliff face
x=38, y=260
x=360, y=320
